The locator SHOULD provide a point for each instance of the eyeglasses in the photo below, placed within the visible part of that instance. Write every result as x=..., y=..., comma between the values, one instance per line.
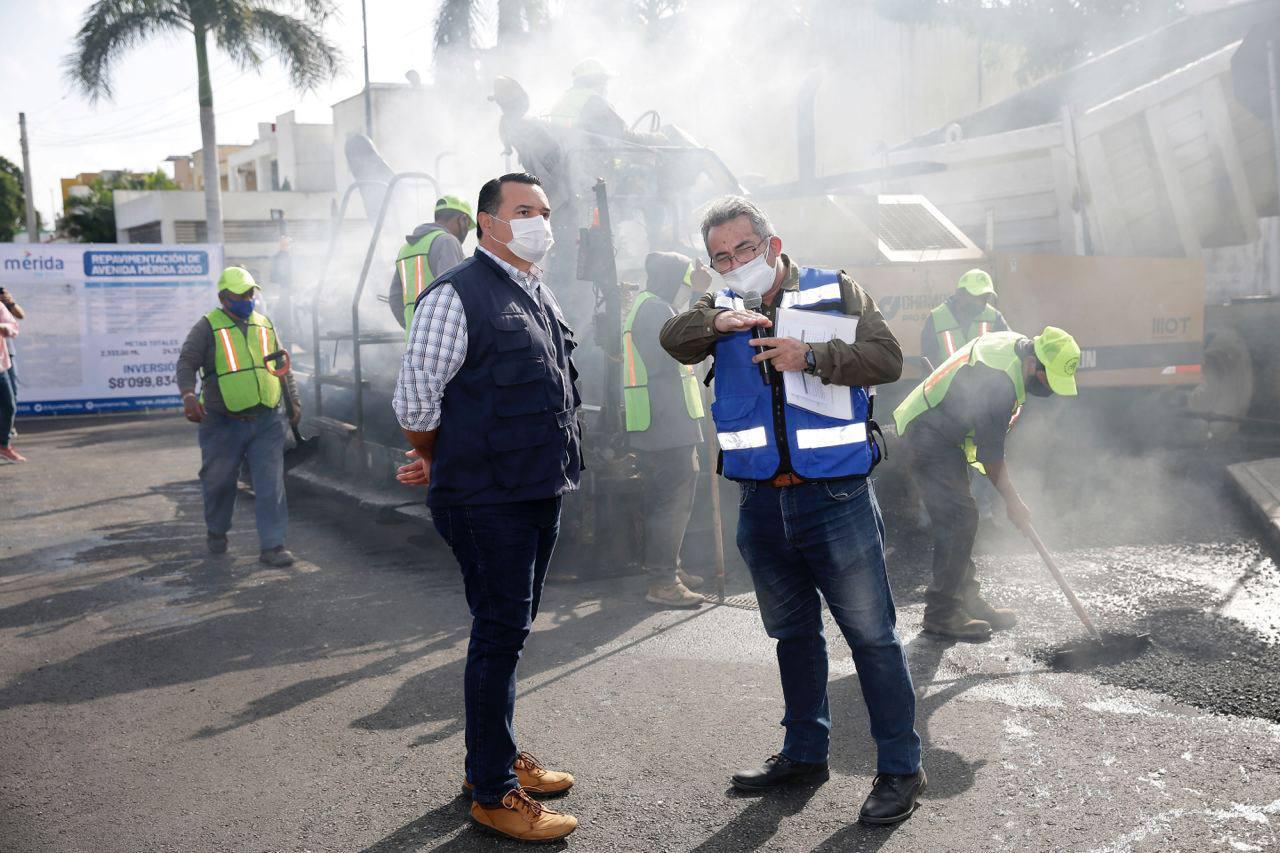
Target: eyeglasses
x=724, y=261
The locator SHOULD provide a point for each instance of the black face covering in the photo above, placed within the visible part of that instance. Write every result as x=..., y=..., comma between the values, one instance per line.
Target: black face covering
x=1037, y=387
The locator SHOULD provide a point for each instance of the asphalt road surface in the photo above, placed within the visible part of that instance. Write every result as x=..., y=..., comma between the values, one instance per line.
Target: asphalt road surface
x=153, y=698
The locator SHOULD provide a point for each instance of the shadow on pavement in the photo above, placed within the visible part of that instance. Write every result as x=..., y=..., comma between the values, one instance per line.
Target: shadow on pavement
x=418, y=834
x=755, y=826
x=174, y=614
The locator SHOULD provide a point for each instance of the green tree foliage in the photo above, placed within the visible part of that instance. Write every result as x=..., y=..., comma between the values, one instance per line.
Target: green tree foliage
x=92, y=218
x=12, y=201
x=249, y=31
x=1053, y=34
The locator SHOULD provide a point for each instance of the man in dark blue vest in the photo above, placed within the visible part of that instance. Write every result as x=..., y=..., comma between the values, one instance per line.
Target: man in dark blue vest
x=808, y=520
x=486, y=397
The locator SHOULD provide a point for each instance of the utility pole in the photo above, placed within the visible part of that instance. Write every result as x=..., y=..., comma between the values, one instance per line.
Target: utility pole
x=33, y=229
x=368, y=103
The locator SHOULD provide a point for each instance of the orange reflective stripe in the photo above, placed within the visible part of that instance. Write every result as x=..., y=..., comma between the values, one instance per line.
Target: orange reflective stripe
x=631, y=361
x=984, y=327
x=229, y=351
x=265, y=340
x=417, y=263
x=946, y=370
x=950, y=342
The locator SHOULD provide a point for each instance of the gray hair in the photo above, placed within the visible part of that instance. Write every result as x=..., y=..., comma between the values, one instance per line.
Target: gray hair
x=730, y=208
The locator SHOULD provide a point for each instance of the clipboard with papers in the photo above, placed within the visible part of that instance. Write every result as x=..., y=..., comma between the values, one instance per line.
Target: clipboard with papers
x=809, y=392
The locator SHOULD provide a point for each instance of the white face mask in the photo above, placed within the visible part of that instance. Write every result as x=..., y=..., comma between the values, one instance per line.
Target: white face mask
x=530, y=238
x=755, y=275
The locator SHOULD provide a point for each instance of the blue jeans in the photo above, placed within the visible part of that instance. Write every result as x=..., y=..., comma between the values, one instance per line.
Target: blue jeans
x=8, y=404
x=828, y=538
x=225, y=442
x=503, y=550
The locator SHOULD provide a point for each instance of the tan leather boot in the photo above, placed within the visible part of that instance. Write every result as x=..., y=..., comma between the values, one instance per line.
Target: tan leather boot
x=536, y=780
x=673, y=595
x=523, y=819
x=957, y=625
x=694, y=582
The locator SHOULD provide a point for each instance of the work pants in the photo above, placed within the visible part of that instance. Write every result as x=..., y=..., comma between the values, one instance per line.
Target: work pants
x=226, y=442
x=828, y=538
x=503, y=550
x=942, y=477
x=668, y=479
x=8, y=404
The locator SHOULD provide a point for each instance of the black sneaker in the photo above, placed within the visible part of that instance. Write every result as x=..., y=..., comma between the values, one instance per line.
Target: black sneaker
x=217, y=543
x=779, y=770
x=892, y=798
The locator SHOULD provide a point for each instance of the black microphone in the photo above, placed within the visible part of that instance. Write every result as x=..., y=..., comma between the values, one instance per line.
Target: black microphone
x=751, y=302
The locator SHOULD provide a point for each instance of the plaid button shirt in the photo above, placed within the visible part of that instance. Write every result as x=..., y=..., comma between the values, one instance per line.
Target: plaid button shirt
x=438, y=347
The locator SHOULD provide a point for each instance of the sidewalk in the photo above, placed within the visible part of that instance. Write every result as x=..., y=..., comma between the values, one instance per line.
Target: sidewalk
x=153, y=698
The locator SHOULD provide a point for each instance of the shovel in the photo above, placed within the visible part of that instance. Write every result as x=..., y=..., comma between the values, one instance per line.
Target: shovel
x=303, y=448
x=1099, y=649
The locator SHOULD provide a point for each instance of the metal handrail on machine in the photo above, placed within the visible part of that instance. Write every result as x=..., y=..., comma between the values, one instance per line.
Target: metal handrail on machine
x=356, y=342
x=338, y=223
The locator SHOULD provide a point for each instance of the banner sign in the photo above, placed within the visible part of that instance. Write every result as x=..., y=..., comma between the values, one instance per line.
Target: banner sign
x=105, y=322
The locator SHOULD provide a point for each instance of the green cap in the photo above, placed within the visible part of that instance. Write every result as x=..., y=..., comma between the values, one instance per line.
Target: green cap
x=1060, y=355
x=237, y=280
x=976, y=282
x=452, y=202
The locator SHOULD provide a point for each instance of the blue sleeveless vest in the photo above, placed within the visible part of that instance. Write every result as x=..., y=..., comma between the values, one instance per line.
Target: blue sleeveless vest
x=820, y=447
x=508, y=420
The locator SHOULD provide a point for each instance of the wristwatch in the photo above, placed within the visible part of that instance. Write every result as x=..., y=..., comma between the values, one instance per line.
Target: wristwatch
x=810, y=362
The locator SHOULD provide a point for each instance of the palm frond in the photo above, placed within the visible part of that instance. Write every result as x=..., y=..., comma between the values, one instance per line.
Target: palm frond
x=110, y=29
x=455, y=24
x=307, y=55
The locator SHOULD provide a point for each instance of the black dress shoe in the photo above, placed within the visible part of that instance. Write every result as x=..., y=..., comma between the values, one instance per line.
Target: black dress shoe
x=893, y=798
x=780, y=770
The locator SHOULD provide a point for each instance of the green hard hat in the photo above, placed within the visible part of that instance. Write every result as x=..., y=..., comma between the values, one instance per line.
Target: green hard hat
x=237, y=280
x=977, y=282
x=1060, y=355
x=452, y=202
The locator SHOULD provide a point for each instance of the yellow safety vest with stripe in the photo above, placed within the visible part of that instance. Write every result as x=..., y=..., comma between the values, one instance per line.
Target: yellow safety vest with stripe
x=567, y=110
x=996, y=350
x=635, y=378
x=242, y=375
x=415, y=273
x=951, y=337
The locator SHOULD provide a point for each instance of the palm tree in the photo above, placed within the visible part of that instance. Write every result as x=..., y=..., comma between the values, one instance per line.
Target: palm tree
x=243, y=29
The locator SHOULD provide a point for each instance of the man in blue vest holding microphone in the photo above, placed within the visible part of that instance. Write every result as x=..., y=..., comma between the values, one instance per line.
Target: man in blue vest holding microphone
x=808, y=520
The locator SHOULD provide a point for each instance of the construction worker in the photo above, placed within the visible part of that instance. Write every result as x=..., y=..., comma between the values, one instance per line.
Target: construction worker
x=585, y=106
x=957, y=417
x=663, y=403
x=237, y=410
x=809, y=525
x=963, y=316
x=432, y=248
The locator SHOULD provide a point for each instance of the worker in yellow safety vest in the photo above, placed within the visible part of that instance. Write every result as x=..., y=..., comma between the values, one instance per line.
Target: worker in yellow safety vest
x=237, y=408
x=956, y=418
x=963, y=316
x=663, y=404
x=585, y=106
x=432, y=248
